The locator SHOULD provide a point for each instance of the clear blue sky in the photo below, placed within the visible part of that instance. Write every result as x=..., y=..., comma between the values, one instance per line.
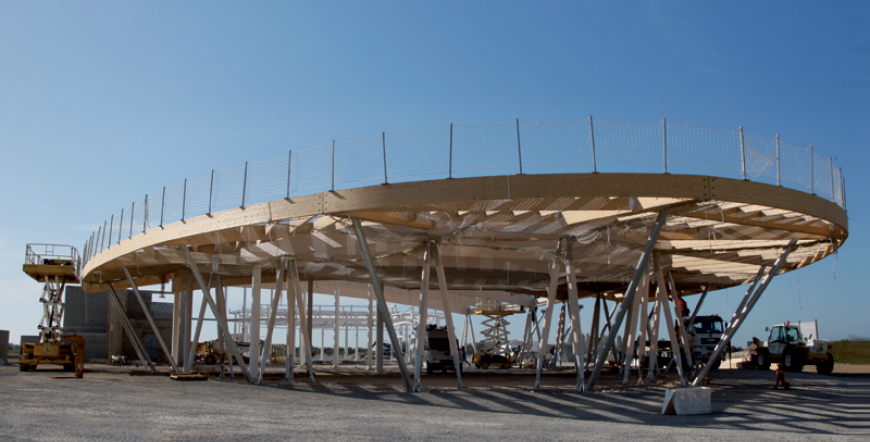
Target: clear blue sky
x=101, y=103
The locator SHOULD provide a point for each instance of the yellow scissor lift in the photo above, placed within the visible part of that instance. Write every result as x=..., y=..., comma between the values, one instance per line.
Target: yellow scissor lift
x=495, y=337
x=54, y=265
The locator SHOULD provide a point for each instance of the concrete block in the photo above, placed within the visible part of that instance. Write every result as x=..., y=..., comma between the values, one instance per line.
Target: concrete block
x=687, y=401
x=4, y=347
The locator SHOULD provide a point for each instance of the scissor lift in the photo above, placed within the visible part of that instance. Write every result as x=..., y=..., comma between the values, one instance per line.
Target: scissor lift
x=54, y=265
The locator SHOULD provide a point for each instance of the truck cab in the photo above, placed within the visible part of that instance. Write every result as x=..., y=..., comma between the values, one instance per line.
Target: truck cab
x=437, y=351
x=704, y=334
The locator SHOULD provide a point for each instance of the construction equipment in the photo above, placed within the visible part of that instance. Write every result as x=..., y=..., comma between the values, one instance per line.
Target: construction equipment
x=437, y=353
x=209, y=353
x=786, y=345
x=54, y=265
x=494, y=348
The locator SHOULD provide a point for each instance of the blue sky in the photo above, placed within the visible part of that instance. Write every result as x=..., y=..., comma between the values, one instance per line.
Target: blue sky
x=101, y=103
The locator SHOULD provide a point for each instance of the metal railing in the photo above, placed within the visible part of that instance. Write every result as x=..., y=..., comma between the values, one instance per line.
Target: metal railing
x=591, y=145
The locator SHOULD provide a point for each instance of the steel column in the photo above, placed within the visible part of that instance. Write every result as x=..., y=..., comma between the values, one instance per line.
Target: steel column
x=548, y=313
x=736, y=323
x=660, y=222
x=421, y=324
x=448, y=314
x=662, y=297
x=304, y=322
x=128, y=327
x=273, y=316
x=382, y=303
x=221, y=321
x=574, y=311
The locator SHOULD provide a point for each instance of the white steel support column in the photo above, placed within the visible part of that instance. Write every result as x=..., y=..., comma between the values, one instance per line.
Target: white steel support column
x=148, y=316
x=521, y=357
x=221, y=320
x=199, y=321
x=631, y=333
x=548, y=314
x=382, y=303
x=654, y=342
x=356, y=344
x=187, y=318
x=471, y=329
x=448, y=314
x=379, y=345
x=684, y=338
x=744, y=312
x=291, y=331
x=644, y=321
x=221, y=301
x=662, y=299
x=254, y=349
x=421, y=323
x=661, y=220
x=335, y=346
x=577, y=347
x=131, y=332
x=266, y=356
x=370, y=324
x=304, y=320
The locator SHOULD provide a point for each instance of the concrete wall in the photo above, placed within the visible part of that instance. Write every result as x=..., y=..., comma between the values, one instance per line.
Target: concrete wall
x=87, y=315
x=93, y=317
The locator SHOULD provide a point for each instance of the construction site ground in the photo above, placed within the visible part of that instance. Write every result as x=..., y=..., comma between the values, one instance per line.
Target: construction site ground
x=350, y=403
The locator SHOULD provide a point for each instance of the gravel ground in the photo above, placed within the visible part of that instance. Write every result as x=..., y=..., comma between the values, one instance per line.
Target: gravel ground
x=123, y=403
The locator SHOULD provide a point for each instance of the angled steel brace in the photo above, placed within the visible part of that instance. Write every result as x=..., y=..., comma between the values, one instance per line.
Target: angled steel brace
x=148, y=316
x=548, y=314
x=270, y=328
x=448, y=316
x=382, y=303
x=421, y=325
x=660, y=222
x=206, y=293
x=128, y=327
x=741, y=316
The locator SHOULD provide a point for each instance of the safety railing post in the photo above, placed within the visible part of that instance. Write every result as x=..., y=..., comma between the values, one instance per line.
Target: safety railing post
x=742, y=154
x=98, y=247
x=289, y=169
x=843, y=188
x=333, y=167
x=111, y=229
x=145, y=215
x=450, y=159
x=103, y=239
x=831, y=161
x=210, y=191
x=184, y=200
x=162, y=205
x=132, y=217
x=519, y=147
x=592, y=138
x=244, y=185
x=384, y=150
x=665, y=142
x=778, y=163
x=812, y=171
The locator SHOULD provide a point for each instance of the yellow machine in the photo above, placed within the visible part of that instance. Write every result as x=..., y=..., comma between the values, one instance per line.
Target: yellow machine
x=498, y=353
x=55, y=265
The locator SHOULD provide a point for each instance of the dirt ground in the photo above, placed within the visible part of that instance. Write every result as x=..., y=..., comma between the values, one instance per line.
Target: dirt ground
x=350, y=403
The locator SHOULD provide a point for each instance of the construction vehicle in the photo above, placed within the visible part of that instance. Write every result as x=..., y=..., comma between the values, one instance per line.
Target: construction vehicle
x=209, y=353
x=704, y=333
x=786, y=345
x=54, y=265
x=495, y=349
x=437, y=353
